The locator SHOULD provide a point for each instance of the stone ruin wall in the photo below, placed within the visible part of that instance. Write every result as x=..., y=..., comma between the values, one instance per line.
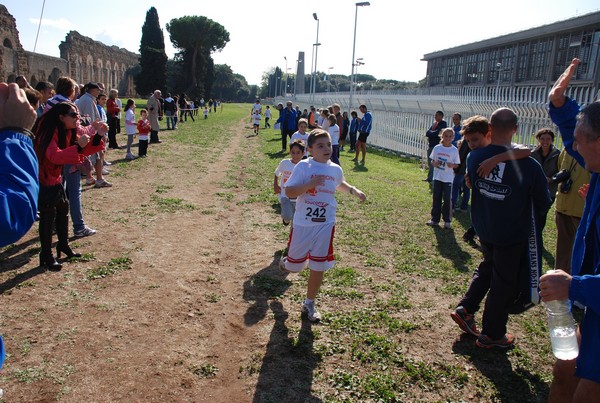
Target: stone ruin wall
x=82, y=59
x=90, y=60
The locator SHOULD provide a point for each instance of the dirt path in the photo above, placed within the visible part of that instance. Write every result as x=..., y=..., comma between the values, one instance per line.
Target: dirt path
x=175, y=326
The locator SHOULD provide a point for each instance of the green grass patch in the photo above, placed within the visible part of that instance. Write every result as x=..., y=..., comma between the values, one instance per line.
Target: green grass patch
x=115, y=265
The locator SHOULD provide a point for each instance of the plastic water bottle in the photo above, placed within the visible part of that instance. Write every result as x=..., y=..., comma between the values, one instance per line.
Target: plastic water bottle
x=562, y=328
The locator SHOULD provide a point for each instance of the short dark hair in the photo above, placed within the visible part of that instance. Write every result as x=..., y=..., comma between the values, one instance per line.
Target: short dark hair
x=43, y=86
x=440, y=112
x=590, y=117
x=314, y=135
x=543, y=131
x=298, y=143
x=475, y=124
x=457, y=114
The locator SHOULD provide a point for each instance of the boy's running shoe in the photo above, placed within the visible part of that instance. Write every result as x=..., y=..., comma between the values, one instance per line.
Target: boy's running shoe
x=465, y=321
x=506, y=342
x=282, y=265
x=86, y=231
x=432, y=223
x=311, y=311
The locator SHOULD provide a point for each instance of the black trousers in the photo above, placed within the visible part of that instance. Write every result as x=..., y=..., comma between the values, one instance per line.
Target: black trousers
x=142, y=147
x=154, y=136
x=498, y=276
x=112, y=132
x=54, y=209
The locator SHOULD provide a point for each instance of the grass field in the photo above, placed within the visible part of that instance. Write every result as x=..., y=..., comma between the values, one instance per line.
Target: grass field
x=386, y=334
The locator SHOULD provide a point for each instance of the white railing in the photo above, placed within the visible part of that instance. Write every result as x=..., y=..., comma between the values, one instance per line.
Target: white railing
x=401, y=119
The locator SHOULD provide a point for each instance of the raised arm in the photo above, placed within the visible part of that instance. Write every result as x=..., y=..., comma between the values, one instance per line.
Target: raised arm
x=557, y=93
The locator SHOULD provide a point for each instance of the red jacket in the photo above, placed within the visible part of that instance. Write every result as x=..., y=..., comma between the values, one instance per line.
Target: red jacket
x=112, y=108
x=54, y=159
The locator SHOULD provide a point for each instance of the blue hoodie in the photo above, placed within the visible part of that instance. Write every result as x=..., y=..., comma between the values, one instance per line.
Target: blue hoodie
x=585, y=284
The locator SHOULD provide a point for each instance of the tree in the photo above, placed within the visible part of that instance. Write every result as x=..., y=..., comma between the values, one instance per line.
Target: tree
x=153, y=59
x=197, y=37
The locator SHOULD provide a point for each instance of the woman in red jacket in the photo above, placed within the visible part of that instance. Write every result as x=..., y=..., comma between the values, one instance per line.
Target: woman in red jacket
x=113, y=113
x=57, y=143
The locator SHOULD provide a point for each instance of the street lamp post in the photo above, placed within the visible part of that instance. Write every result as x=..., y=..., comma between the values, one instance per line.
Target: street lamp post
x=499, y=69
x=360, y=4
x=286, y=76
x=328, y=78
x=316, y=44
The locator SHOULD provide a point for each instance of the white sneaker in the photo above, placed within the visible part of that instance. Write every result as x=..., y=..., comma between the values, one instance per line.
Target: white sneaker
x=130, y=157
x=102, y=184
x=106, y=163
x=105, y=171
x=282, y=265
x=90, y=181
x=311, y=311
x=432, y=223
x=447, y=225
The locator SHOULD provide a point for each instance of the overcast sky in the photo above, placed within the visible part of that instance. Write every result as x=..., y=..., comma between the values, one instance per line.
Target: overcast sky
x=392, y=36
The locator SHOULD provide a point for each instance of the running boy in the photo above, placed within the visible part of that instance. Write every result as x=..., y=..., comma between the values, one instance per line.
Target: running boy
x=143, y=127
x=282, y=174
x=314, y=182
x=256, y=121
x=444, y=158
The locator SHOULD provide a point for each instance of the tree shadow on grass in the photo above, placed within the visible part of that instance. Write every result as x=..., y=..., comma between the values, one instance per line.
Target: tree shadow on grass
x=287, y=367
x=450, y=249
x=511, y=384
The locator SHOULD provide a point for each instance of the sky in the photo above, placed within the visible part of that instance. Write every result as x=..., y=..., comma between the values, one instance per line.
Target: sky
x=391, y=35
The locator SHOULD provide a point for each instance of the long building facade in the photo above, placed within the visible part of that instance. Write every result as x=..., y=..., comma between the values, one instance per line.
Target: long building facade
x=533, y=57
x=82, y=58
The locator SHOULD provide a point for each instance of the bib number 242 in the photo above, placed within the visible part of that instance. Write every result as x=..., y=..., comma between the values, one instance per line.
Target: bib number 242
x=316, y=214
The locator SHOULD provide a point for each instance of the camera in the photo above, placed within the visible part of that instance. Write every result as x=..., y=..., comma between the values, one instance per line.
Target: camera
x=560, y=177
x=565, y=186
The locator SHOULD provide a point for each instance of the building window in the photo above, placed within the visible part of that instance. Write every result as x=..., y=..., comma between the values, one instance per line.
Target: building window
x=7, y=43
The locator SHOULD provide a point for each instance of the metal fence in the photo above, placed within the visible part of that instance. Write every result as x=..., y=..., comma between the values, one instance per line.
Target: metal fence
x=400, y=119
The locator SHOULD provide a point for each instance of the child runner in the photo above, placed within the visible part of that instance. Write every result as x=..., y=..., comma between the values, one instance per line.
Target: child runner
x=267, y=117
x=334, y=133
x=143, y=127
x=205, y=112
x=256, y=121
x=282, y=174
x=444, y=158
x=130, y=127
x=314, y=182
x=301, y=134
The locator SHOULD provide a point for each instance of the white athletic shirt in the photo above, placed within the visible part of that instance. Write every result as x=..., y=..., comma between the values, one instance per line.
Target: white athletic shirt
x=256, y=118
x=334, y=133
x=256, y=107
x=303, y=137
x=318, y=205
x=444, y=154
x=283, y=171
x=268, y=113
x=130, y=123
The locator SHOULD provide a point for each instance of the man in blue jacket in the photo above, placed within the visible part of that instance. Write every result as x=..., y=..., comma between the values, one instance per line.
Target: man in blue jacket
x=19, y=185
x=287, y=119
x=579, y=380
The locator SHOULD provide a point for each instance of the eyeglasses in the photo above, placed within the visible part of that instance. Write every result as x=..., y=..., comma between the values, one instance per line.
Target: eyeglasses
x=73, y=114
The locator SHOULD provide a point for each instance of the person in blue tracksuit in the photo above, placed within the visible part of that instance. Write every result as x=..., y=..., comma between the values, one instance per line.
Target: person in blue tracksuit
x=579, y=380
x=19, y=184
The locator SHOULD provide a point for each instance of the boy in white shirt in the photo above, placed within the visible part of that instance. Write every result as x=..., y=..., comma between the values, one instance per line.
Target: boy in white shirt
x=256, y=121
x=444, y=158
x=301, y=134
x=334, y=133
x=282, y=174
x=314, y=182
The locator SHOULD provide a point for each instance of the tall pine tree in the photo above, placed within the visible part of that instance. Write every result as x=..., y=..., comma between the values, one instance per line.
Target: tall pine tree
x=153, y=59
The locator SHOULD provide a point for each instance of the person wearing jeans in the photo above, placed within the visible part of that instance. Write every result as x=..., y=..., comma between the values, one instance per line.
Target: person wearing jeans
x=72, y=183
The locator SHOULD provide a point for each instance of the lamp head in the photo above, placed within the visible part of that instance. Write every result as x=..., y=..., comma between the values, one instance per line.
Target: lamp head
x=363, y=4
x=315, y=17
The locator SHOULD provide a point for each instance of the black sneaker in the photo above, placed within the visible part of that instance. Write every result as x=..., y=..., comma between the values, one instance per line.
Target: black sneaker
x=506, y=342
x=465, y=321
